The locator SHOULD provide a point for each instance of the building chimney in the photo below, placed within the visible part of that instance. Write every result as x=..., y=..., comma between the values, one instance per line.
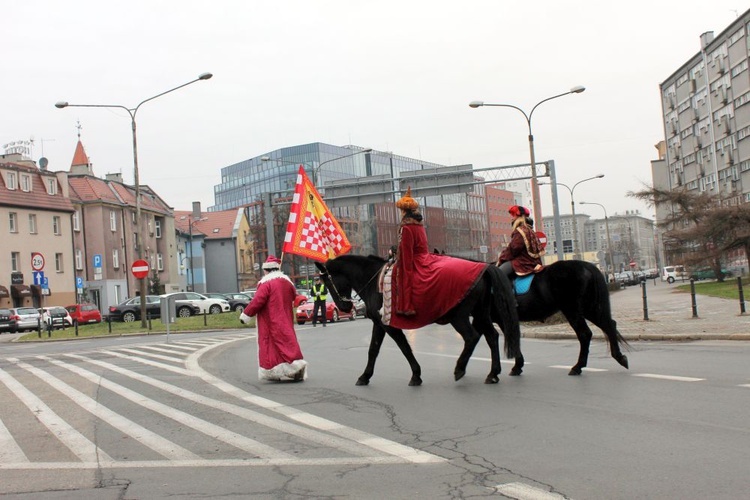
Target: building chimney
x=116, y=177
x=706, y=38
x=196, y=210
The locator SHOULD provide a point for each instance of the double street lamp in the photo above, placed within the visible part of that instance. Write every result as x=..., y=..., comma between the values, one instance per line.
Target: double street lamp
x=132, y=112
x=606, y=225
x=534, y=183
x=571, y=190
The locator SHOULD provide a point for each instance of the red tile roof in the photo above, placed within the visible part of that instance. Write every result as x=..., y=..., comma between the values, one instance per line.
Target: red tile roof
x=38, y=196
x=80, y=157
x=89, y=188
x=217, y=225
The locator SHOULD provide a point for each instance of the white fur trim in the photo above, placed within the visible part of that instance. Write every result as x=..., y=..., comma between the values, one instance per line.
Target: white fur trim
x=244, y=318
x=273, y=275
x=296, y=370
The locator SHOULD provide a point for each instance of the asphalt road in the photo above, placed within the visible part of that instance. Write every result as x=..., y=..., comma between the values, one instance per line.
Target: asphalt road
x=138, y=417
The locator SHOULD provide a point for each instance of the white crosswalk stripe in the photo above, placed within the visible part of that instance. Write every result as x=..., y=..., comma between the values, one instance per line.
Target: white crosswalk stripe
x=125, y=390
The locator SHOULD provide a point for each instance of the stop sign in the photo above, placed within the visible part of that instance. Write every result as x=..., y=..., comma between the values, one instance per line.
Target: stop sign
x=542, y=238
x=140, y=269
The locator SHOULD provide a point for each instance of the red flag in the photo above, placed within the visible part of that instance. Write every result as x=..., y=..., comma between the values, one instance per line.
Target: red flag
x=312, y=231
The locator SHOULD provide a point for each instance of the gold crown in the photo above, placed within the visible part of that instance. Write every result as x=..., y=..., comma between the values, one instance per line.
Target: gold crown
x=407, y=202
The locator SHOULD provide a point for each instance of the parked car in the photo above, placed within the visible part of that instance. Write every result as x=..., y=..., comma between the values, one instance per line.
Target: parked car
x=84, y=313
x=5, y=321
x=203, y=303
x=56, y=317
x=672, y=273
x=24, y=318
x=130, y=310
x=333, y=313
x=237, y=301
x=302, y=297
x=359, y=305
x=709, y=274
x=250, y=292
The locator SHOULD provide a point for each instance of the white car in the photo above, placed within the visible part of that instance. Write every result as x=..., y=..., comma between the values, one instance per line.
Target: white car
x=205, y=304
x=56, y=317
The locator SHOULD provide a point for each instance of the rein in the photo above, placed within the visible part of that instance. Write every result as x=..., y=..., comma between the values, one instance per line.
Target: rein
x=358, y=292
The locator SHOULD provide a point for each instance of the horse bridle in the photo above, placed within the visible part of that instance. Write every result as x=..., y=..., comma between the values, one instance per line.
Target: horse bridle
x=326, y=274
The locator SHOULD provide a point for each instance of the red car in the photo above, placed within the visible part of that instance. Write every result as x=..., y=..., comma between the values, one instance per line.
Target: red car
x=333, y=313
x=84, y=313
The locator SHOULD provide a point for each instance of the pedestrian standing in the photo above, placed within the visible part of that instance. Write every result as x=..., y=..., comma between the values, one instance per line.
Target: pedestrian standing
x=279, y=353
x=320, y=294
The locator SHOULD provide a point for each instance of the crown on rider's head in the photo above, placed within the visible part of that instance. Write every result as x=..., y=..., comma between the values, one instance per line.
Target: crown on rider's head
x=407, y=202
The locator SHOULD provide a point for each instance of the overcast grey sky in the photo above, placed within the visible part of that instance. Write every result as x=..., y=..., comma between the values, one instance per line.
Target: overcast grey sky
x=390, y=75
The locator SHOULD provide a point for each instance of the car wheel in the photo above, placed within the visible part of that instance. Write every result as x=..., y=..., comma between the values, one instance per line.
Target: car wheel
x=353, y=316
x=128, y=317
x=183, y=312
x=335, y=316
x=670, y=280
x=300, y=322
x=214, y=309
x=239, y=308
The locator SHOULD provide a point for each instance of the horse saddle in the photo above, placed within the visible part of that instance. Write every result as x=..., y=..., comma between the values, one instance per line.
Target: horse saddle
x=521, y=284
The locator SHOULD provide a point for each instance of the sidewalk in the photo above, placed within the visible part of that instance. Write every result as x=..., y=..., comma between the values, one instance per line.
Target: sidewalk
x=670, y=316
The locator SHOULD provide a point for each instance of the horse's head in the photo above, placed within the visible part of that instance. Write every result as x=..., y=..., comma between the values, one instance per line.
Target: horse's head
x=348, y=273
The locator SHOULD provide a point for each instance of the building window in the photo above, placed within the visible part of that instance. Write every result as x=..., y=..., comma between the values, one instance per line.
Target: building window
x=116, y=259
x=79, y=259
x=59, y=262
x=26, y=183
x=11, y=181
x=113, y=220
x=135, y=241
x=76, y=221
x=52, y=186
x=32, y=223
x=159, y=262
x=56, y=226
x=15, y=261
x=13, y=222
x=150, y=225
x=158, y=228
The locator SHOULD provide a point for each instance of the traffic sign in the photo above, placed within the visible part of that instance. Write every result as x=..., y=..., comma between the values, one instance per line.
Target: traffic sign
x=37, y=261
x=98, y=260
x=140, y=269
x=38, y=277
x=632, y=263
x=79, y=283
x=542, y=238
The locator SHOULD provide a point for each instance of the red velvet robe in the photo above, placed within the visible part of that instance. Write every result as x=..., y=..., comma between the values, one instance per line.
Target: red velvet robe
x=425, y=286
x=277, y=342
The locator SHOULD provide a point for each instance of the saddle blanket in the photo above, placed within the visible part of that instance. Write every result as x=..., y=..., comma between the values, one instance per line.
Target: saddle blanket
x=522, y=283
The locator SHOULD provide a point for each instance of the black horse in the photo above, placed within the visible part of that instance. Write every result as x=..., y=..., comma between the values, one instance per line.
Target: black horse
x=577, y=289
x=490, y=299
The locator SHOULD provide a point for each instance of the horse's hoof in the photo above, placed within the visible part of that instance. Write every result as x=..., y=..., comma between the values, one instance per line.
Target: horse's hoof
x=415, y=382
x=491, y=379
x=361, y=381
x=458, y=375
x=575, y=371
x=623, y=360
x=515, y=372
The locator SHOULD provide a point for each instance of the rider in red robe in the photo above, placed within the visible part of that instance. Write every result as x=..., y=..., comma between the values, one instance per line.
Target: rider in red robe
x=424, y=285
x=523, y=255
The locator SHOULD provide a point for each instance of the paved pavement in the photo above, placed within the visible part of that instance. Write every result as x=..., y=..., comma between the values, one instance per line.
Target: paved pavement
x=670, y=316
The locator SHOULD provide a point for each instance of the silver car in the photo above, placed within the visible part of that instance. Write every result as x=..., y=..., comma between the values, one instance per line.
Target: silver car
x=24, y=318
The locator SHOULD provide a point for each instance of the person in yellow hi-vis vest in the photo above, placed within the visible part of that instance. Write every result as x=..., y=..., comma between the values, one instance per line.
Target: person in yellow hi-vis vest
x=320, y=294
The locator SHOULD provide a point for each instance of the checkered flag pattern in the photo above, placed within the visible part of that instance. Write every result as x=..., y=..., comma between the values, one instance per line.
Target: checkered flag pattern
x=312, y=231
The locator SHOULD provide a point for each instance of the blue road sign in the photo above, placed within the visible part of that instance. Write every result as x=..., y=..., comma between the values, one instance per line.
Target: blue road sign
x=79, y=282
x=38, y=277
x=45, y=282
x=98, y=260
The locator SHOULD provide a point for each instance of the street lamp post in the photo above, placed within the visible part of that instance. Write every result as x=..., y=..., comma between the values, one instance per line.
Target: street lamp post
x=573, y=207
x=132, y=112
x=606, y=225
x=534, y=183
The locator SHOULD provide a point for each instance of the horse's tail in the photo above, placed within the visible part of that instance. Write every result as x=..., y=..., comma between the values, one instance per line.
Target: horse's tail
x=503, y=311
x=603, y=317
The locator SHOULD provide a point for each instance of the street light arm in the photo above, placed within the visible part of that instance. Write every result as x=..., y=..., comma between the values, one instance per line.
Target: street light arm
x=204, y=76
x=575, y=90
x=527, y=117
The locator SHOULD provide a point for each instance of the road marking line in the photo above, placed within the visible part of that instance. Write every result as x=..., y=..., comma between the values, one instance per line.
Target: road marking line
x=455, y=356
x=669, y=377
x=586, y=369
x=744, y=385
x=391, y=447
x=180, y=347
x=155, y=464
x=212, y=430
x=9, y=449
x=155, y=364
x=245, y=413
x=76, y=442
x=151, y=440
x=521, y=491
x=151, y=355
x=178, y=355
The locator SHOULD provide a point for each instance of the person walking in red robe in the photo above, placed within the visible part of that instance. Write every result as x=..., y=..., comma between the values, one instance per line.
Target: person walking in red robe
x=279, y=353
x=422, y=286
